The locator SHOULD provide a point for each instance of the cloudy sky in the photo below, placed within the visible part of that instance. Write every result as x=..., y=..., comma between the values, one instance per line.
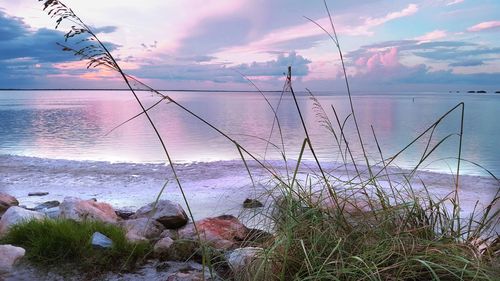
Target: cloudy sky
x=418, y=45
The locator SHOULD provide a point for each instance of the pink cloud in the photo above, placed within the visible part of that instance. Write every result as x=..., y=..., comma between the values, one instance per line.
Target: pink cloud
x=385, y=59
x=431, y=36
x=484, y=26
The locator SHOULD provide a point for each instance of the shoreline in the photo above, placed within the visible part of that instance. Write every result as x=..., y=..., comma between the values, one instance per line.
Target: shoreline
x=212, y=188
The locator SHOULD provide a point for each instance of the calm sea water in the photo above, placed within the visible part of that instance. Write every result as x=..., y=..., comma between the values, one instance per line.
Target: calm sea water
x=73, y=125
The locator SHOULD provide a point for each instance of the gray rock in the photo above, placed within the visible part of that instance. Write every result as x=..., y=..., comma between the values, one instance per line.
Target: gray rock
x=164, y=266
x=7, y=201
x=124, y=214
x=147, y=228
x=15, y=215
x=166, y=212
x=252, y=203
x=249, y=264
x=240, y=258
x=131, y=237
x=79, y=210
x=52, y=213
x=9, y=255
x=46, y=205
x=192, y=274
x=101, y=241
x=163, y=246
x=41, y=193
x=171, y=233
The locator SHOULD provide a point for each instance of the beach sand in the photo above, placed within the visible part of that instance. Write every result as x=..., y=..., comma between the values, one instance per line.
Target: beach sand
x=211, y=188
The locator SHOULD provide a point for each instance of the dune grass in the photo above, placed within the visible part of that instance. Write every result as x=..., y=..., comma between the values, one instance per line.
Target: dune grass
x=59, y=242
x=372, y=225
x=409, y=240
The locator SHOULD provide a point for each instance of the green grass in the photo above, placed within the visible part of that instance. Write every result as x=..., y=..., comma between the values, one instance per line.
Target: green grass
x=399, y=242
x=67, y=242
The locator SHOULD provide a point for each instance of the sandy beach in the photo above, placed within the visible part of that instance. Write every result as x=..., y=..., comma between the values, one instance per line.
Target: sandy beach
x=211, y=188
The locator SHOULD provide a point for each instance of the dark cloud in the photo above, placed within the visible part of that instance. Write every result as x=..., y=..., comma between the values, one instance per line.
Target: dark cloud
x=39, y=45
x=187, y=72
x=27, y=56
x=467, y=63
x=197, y=58
x=456, y=53
x=221, y=73
x=414, y=78
x=451, y=79
x=411, y=45
x=11, y=27
x=276, y=67
x=104, y=29
x=393, y=43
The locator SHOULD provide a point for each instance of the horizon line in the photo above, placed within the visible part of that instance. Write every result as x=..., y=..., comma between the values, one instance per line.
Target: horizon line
x=232, y=91
x=141, y=90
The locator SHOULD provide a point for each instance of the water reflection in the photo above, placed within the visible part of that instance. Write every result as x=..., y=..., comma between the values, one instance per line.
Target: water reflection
x=73, y=125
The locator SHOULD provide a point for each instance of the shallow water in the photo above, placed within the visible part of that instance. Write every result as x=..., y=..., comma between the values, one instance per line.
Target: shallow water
x=73, y=125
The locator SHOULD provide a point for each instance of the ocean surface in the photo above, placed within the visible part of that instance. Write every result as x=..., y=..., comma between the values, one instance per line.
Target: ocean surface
x=76, y=125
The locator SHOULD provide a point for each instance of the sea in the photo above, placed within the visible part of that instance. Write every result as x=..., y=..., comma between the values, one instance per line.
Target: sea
x=106, y=125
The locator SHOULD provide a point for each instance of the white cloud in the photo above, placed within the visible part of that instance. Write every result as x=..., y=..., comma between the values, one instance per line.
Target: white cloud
x=454, y=2
x=408, y=11
x=484, y=26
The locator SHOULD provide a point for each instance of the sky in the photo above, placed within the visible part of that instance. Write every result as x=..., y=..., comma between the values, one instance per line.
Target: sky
x=426, y=45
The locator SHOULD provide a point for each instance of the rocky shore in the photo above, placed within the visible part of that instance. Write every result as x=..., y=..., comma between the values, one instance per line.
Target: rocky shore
x=176, y=241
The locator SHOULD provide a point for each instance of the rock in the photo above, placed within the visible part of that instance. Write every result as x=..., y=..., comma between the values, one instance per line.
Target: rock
x=148, y=228
x=135, y=238
x=15, y=215
x=186, y=276
x=241, y=258
x=46, y=205
x=221, y=232
x=101, y=241
x=38, y=193
x=9, y=255
x=7, y=201
x=191, y=274
x=164, y=266
x=124, y=214
x=180, y=250
x=252, y=203
x=162, y=247
x=52, y=213
x=79, y=210
x=249, y=264
x=171, y=233
x=168, y=213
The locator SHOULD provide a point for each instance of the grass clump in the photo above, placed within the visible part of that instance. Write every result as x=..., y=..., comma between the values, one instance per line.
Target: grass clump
x=400, y=242
x=67, y=242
